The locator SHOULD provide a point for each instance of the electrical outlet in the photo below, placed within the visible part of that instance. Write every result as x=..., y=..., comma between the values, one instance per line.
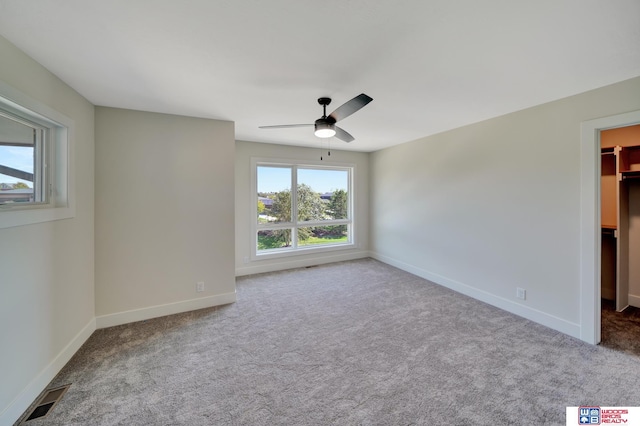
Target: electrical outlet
x=521, y=293
x=245, y=259
x=200, y=286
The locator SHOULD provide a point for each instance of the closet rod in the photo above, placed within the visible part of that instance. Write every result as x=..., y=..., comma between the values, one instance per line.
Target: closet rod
x=630, y=175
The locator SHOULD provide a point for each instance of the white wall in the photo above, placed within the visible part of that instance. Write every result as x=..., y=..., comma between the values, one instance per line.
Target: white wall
x=245, y=211
x=493, y=206
x=46, y=269
x=164, y=214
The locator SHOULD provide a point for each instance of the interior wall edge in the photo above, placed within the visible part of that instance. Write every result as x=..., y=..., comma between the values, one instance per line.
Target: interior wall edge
x=542, y=318
x=28, y=395
x=164, y=214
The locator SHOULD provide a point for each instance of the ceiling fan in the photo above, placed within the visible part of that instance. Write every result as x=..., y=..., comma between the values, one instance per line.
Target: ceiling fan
x=325, y=126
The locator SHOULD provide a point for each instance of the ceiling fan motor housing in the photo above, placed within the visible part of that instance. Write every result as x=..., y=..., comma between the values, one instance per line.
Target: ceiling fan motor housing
x=325, y=127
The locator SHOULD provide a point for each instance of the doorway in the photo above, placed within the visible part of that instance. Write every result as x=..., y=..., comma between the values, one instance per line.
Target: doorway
x=620, y=238
x=590, y=221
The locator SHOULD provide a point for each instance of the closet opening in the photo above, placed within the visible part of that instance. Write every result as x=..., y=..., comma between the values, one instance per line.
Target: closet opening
x=590, y=286
x=620, y=238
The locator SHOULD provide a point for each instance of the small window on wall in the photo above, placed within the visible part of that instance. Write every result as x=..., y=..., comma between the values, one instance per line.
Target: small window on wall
x=23, y=165
x=36, y=168
x=301, y=208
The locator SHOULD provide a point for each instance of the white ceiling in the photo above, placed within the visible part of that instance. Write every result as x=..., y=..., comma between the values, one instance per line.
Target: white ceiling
x=429, y=65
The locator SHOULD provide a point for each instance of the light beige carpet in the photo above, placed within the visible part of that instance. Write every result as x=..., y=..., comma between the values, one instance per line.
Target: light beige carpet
x=353, y=343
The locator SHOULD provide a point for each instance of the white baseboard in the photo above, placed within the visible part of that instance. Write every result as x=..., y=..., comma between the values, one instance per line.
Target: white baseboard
x=29, y=394
x=142, y=314
x=551, y=321
x=281, y=264
x=17, y=407
x=634, y=300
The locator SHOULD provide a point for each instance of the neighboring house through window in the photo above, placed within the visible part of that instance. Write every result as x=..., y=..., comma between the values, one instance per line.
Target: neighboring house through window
x=23, y=161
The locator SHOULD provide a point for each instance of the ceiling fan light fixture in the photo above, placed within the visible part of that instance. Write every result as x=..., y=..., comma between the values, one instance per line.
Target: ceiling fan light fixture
x=325, y=126
x=324, y=129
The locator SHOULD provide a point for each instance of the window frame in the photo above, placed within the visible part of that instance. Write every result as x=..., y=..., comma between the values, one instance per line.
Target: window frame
x=57, y=164
x=294, y=224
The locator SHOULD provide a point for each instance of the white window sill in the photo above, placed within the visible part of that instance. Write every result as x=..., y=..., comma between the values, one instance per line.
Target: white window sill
x=286, y=252
x=30, y=216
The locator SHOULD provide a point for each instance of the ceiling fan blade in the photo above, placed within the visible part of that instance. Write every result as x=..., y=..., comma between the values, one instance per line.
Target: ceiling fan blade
x=350, y=107
x=284, y=126
x=343, y=134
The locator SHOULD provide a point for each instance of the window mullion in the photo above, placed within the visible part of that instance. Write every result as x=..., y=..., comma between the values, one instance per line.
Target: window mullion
x=294, y=206
x=37, y=187
x=325, y=222
x=279, y=225
x=39, y=173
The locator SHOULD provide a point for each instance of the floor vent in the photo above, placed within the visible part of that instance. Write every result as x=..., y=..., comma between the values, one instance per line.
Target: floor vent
x=46, y=403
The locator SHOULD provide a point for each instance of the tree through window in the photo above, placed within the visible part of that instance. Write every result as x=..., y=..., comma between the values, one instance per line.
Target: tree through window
x=302, y=207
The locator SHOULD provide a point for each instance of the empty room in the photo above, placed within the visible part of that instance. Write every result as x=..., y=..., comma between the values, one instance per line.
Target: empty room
x=292, y=212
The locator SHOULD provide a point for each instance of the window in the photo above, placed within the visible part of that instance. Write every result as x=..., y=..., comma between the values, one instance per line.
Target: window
x=36, y=174
x=302, y=207
x=23, y=163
